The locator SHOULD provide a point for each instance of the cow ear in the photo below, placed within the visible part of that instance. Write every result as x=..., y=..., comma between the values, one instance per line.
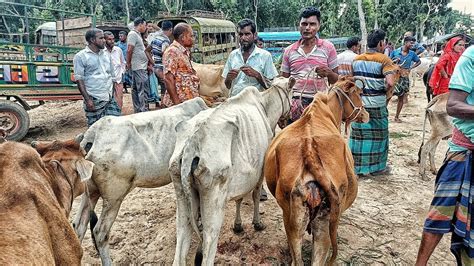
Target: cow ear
x=84, y=169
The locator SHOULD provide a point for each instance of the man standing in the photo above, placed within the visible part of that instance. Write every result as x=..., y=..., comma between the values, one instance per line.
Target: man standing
x=181, y=81
x=94, y=72
x=369, y=141
x=248, y=65
x=407, y=60
x=451, y=208
x=158, y=46
x=346, y=58
x=122, y=44
x=137, y=61
x=308, y=54
x=118, y=63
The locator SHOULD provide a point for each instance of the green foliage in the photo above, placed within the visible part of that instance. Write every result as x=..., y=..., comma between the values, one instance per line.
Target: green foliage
x=339, y=17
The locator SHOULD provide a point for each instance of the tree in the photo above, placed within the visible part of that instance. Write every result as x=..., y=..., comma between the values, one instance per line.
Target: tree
x=363, y=25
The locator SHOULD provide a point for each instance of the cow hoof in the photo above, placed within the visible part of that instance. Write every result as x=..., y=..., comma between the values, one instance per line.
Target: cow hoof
x=259, y=226
x=238, y=228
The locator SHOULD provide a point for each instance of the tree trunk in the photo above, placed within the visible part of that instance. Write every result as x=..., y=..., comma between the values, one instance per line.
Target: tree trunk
x=255, y=5
x=127, y=9
x=8, y=28
x=376, y=24
x=363, y=26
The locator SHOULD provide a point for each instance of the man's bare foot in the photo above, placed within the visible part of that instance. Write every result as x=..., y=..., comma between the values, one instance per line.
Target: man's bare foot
x=397, y=120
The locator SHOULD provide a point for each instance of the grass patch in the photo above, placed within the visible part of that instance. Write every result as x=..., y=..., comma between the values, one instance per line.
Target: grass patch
x=400, y=135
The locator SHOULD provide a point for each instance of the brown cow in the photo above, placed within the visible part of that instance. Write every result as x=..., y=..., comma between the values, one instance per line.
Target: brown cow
x=310, y=171
x=36, y=195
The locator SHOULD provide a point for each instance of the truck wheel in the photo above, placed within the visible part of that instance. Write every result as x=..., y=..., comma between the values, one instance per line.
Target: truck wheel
x=14, y=120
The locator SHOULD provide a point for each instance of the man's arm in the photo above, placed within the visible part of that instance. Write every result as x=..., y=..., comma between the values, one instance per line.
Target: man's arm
x=249, y=71
x=129, y=56
x=457, y=105
x=87, y=99
x=170, y=84
x=389, y=85
x=331, y=74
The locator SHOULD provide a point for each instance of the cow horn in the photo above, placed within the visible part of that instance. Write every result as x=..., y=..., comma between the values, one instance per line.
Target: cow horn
x=3, y=136
x=34, y=143
x=79, y=138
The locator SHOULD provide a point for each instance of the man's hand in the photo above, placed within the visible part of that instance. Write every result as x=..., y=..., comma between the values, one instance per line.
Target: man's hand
x=250, y=72
x=323, y=71
x=90, y=105
x=128, y=66
x=232, y=74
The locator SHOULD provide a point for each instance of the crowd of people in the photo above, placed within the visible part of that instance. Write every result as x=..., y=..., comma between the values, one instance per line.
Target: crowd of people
x=148, y=53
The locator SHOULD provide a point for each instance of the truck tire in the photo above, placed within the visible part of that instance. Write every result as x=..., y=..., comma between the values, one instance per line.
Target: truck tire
x=14, y=120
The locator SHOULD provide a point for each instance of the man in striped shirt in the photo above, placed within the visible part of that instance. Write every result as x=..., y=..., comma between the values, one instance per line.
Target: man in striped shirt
x=300, y=58
x=369, y=141
x=346, y=58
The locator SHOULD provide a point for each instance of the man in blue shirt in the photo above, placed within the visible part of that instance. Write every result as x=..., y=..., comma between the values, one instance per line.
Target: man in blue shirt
x=248, y=65
x=407, y=60
x=122, y=44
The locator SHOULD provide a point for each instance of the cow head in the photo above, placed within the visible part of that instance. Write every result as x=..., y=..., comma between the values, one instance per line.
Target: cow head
x=284, y=86
x=66, y=159
x=349, y=91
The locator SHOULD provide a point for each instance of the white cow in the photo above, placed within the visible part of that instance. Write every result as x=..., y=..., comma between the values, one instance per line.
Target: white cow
x=128, y=152
x=219, y=157
x=418, y=71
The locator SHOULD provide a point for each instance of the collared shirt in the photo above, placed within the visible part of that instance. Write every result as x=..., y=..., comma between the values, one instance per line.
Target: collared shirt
x=158, y=46
x=345, y=60
x=139, y=59
x=372, y=67
x=118, y=62
x=298, y=65
x=176, y=60
x=124, y=47
x=259, y=59
x=405, y=61
x=463, y=80
x=96, y=70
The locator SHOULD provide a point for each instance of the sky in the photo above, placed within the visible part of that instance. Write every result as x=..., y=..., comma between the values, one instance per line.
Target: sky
x=463, y=6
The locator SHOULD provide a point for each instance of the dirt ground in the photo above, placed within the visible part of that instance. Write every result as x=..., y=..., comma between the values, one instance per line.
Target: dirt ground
x=382, y=227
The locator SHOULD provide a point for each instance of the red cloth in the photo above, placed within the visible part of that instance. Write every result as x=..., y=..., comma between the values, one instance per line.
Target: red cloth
x=447, y=62
x=460, y=139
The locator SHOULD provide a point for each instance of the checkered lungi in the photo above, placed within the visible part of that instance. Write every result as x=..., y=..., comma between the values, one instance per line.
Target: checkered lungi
x=102, y=108
x=402, y=87
x=369, y=142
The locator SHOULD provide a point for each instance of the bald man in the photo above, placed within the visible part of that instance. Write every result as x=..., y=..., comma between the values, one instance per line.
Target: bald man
x=181, y=81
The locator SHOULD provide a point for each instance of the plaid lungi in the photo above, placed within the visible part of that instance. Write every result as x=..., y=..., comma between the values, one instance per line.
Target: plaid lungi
x=102, y=108
x=451, y=209
x=369, y=142
x=402, y=87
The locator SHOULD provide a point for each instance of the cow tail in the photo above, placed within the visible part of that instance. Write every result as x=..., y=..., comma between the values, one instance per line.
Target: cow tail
x=322, y=185
x=188, y=165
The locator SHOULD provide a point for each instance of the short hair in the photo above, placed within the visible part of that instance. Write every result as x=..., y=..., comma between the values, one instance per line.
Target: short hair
x=352, y=41
x=90, y=34
x=179, y=29
x=166, y=25
x=122, y=32
x=309, y=12
x=409, y=39
x=375, y=36
x=259, y=39
x=108, y=33
x=247, y=22
x=138, y=21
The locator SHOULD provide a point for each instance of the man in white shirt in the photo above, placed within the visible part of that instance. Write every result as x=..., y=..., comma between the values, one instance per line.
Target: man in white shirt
x=118, y=62
x=346, y=58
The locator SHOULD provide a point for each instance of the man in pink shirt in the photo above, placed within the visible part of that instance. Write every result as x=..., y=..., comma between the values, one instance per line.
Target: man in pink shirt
x=309, y=53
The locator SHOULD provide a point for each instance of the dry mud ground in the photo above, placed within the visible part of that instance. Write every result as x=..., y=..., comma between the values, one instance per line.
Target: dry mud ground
x=382, y=227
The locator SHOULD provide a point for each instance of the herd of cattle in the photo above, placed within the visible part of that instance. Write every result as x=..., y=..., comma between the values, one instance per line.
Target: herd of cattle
x=211, y=155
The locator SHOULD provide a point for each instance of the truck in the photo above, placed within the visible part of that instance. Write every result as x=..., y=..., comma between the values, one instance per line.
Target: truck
x=38, y=68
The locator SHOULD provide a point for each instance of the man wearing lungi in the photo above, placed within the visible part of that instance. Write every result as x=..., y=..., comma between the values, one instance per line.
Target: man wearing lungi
x=369, y=141
x=452, y=206
x=94, y=72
